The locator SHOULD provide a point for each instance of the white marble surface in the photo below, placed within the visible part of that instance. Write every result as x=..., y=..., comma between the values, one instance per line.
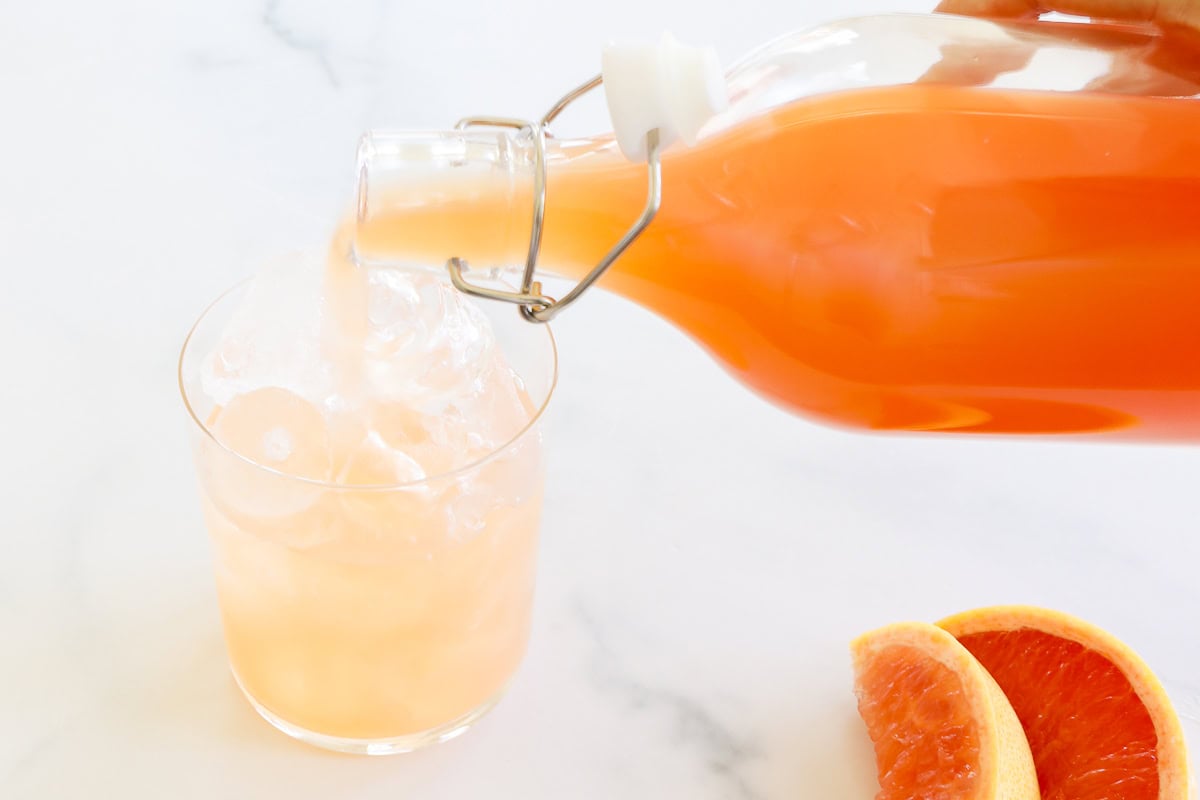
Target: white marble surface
x=706, y=557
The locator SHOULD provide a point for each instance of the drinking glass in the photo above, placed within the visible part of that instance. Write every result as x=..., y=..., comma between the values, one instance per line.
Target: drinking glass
x=374, y=619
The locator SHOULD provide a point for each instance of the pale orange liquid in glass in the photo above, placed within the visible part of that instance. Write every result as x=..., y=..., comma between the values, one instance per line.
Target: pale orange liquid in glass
x=910, y=258
x=355, y=610
x=389, y=641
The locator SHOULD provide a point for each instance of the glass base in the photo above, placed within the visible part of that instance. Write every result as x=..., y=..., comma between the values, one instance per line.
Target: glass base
x=373, y=747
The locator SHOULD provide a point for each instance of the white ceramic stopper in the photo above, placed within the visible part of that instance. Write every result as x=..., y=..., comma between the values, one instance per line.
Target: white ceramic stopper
x=670, y=86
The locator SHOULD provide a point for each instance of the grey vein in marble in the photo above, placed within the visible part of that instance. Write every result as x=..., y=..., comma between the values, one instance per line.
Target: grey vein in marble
x=725, y=753
x=313, y=47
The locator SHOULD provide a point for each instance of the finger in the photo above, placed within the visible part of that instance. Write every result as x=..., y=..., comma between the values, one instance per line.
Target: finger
x=1179, y=12
x=991, y=8
x=1145, y=83
x=972, y=65
x=1163, y=12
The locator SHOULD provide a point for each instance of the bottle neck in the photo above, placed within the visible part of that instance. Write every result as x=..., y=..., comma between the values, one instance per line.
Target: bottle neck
x=426, y=196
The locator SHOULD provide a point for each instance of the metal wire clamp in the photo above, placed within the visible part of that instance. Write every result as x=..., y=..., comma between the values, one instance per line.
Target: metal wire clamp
x=535, y=306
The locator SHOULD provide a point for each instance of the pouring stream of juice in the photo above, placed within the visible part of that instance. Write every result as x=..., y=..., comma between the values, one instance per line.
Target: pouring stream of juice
x=913, y=257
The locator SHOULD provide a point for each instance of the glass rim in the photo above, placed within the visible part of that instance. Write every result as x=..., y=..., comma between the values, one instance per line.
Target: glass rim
x=463, y=469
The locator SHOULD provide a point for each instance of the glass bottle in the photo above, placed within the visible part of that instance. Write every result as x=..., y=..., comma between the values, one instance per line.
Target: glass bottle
x=911, y=223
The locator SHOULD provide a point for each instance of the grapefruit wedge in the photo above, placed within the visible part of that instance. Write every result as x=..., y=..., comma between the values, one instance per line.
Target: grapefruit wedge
x=1098, y=722
x=942, y=729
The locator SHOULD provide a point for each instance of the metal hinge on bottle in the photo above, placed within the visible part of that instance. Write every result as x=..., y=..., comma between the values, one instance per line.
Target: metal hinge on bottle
x=656, y=93
x=535, y=306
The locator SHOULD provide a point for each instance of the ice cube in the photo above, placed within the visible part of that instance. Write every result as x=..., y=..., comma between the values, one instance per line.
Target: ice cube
x=270, y=440
x=277, y=429
x=426, y=342
x=468, y=508
x=375, y=380
x=515, y=475
x=501, y=408
x=393, y=313
x=377, y=501
x=274, y=336
x=376, y=463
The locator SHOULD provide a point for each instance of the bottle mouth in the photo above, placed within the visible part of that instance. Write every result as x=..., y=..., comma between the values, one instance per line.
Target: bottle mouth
x=424, y=197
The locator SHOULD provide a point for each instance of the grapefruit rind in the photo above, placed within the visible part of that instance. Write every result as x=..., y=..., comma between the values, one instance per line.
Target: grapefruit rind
x=1176, y=781
x=1006, y=770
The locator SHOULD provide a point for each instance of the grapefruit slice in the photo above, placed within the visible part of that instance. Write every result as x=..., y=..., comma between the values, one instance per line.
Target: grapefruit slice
x=1098, y=722
x=941, y=726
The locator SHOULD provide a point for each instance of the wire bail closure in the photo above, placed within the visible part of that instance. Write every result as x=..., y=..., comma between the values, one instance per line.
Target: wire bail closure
x=535, y=306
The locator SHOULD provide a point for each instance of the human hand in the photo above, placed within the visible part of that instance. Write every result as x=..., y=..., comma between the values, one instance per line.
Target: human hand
x=1170, y=66
x=1164, y=13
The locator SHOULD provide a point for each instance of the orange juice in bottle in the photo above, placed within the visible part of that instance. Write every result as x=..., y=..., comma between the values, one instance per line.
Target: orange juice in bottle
x=909, y=223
